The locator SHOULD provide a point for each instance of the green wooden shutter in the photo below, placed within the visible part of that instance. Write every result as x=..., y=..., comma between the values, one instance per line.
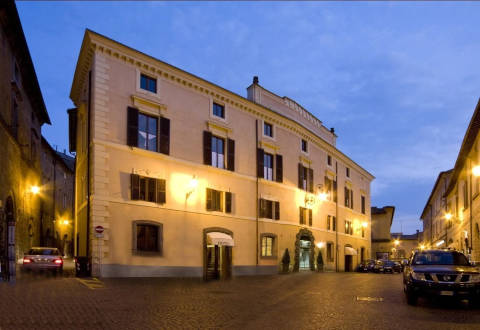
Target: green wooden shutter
x=310, y=217
x=228, y=202
x=230, y=155
x=277, y=210
x=132, y=127
x=259, y=162
x=300, y=175
x=278, y=168
x=209, y=199
x=164, y=135
x=161, y=191
x=135, y=186
x=207, y=148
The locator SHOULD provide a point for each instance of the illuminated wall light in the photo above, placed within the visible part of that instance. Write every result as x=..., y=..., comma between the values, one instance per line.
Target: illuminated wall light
x=364, y=224
x=476, y=170
x=448, y=216
x=396, y=242
x=66, y=222
x=320, y=245
x=34, y=189
x=422, y=247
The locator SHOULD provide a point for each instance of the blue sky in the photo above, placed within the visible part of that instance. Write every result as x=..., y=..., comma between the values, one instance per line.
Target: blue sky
x=398, y=81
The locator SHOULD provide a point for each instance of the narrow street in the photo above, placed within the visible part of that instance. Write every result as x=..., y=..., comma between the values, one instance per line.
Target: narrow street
x=302, y=301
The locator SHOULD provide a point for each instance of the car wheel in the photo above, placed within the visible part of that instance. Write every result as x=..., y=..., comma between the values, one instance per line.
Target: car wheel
x=412, y=298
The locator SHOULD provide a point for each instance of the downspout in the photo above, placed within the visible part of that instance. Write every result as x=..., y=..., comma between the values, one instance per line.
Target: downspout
x=336, y=216
x=88, y=161
x=256, y=195
x=471, y=215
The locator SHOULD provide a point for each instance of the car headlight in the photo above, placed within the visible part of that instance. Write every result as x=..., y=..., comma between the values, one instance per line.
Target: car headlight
x=475, y=278
x=418, y=276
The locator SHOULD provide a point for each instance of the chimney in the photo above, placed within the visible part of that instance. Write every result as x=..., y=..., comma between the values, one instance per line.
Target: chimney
x=332, y=130
x=255, y=79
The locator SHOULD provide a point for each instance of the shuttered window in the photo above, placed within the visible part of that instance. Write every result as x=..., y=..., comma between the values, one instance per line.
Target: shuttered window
x=219, y=200
x=305, y=178
x=279, y=168
x=214, y=151
x=269, y=209
x=306, y=216
x=268, y=166
x=348, y=227
x=145, y=131
x=363, y=204
x=147, y=189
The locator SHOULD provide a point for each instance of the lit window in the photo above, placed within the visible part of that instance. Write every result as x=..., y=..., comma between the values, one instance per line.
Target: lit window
x=218, y=110
x=218, y=152
x=147, y=132
x=269, y=209
x=348, y=227
x=147, y=237
x=267, y=246
x=268, y=166
x=267, y=129
x=148, y=83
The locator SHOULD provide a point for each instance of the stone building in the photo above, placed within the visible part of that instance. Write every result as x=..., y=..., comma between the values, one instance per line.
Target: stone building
x=57, y=204
x=462, y=210
x=190, y=179
x=382, y=219
x=436, y=228
x=22, y=114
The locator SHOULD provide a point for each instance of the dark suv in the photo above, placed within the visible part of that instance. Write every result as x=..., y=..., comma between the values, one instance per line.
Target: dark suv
x=440, y=273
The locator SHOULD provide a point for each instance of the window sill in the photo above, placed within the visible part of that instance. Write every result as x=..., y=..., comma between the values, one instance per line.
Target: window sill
x=147, y=253
x=268, y=257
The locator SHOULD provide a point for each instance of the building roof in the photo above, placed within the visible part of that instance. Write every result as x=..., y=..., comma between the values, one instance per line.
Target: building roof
x=86, y=54
x=437, y=182
x=467, y=144
x=403, y=237
x=67, y=160
x=12, y=26
x=383, y=210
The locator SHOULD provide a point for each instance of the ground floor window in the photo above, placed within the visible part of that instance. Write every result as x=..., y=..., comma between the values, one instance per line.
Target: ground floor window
x=330, y=252
x=147, y=237
x=267, y=246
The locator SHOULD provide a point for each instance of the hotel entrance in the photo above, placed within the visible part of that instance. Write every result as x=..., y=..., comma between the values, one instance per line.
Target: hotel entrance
x=349, y=253
x=304, y=258
x=304, y=251
x=218, y=256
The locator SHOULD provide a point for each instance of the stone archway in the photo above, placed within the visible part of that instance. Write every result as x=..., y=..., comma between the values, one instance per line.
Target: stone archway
x=304, y=235
x=224, y=269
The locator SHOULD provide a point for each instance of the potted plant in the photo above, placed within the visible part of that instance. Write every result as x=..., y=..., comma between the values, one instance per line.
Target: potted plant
x=285, y=261
x=319, y=262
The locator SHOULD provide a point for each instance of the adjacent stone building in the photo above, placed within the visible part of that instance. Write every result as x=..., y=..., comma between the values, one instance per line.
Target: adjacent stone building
x=189, y=179
x=57, y=204
x=22, y=114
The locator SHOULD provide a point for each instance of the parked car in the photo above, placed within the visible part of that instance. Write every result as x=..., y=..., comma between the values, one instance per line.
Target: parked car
x=43, y=258
x=397, y=267
x=403, y=263
x=440, y=273
x=366, y=266
x=391, y=266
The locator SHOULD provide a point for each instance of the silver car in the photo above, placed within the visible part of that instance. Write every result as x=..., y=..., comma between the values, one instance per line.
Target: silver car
x=43, y=258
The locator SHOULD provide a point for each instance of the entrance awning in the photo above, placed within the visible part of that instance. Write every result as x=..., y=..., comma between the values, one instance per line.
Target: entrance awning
x=350, y=251
x=221, y=239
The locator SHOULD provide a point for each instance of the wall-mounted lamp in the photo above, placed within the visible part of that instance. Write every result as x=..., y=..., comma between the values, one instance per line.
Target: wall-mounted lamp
x=34, y=189
x=320, y=245
x=364, y=224
x=448, y=216
x=192, y=185
x=422, y=247
x=65, y=222
x=476, y=170
x=396, y=242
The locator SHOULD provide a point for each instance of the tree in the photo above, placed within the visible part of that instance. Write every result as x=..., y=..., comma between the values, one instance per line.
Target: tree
x=285, y=261
x=319, y=261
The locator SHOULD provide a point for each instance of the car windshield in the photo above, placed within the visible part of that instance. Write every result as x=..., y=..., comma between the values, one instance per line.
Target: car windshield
x=43, y=252
x=440, y=258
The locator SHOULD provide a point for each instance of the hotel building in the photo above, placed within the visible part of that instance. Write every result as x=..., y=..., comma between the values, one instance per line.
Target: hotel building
x=190, y=179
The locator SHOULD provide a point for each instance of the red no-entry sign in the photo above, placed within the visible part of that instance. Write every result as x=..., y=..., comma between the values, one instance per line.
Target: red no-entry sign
x=99, y=229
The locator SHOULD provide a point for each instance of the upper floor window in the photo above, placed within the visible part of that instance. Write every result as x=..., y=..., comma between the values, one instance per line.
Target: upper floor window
x=219, y=200
x=329, y=160
x=218, y=152
x=144, y=131
x=218, y=110
x=147, y=132
x=305, y=215
x=330, y=189
x=304, y=146
x=331, y=223
x=148, y=83
x=214, y=151
x=349, y=197
x=348, y=227
x=305, y=178
x=268, y=166
x=363, y=204
x=267, y=129
x=269, y=209
x=148, y=189
x=348, y=172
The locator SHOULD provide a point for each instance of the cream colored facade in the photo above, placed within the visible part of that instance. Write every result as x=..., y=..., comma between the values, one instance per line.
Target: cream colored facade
x=114, y=72
x=460, y=199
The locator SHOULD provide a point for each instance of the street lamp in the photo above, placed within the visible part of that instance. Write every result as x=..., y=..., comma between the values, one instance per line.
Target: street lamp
x=396, y=242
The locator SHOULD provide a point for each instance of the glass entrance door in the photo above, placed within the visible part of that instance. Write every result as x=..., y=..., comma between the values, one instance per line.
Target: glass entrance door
x=304, y=254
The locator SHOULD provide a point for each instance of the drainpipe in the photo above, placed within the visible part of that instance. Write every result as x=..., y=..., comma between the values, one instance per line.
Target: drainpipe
x=336, y=217
x=256, y=195
x=88, y=161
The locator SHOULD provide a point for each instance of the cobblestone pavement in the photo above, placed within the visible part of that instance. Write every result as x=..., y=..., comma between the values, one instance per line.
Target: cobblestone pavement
x=295, y=301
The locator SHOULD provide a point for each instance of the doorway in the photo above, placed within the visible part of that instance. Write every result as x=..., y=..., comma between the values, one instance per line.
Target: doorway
x=348, y=263
x=7, y=241
x=218, y=248
x=304, y=257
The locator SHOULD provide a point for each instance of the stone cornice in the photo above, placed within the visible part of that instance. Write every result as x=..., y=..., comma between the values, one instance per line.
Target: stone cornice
x=96, y=43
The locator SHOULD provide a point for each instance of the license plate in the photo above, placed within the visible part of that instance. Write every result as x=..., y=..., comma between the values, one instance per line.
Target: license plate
x=446, y=293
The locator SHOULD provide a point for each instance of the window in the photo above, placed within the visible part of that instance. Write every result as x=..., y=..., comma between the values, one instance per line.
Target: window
x=148, y=189
x=305, y=178
x=328, y=187
x=147, y=132
x=267, y=246
x=330, y=252
x=329, y=160
x=304, y=146
x=267, y=129
x=218, y=110
x=219, y=200
x=334, y=223
x=349, y=197
x=348, y=172
x=14, y=118
x=148, y=83
x=363, y=204
x=348, y=227
x=269, y=209
x=218, y=152
x=465, y=196
x=329, y=220
x=363, y=231
x=268, y=166
x=147, y=237
x=304, y=215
